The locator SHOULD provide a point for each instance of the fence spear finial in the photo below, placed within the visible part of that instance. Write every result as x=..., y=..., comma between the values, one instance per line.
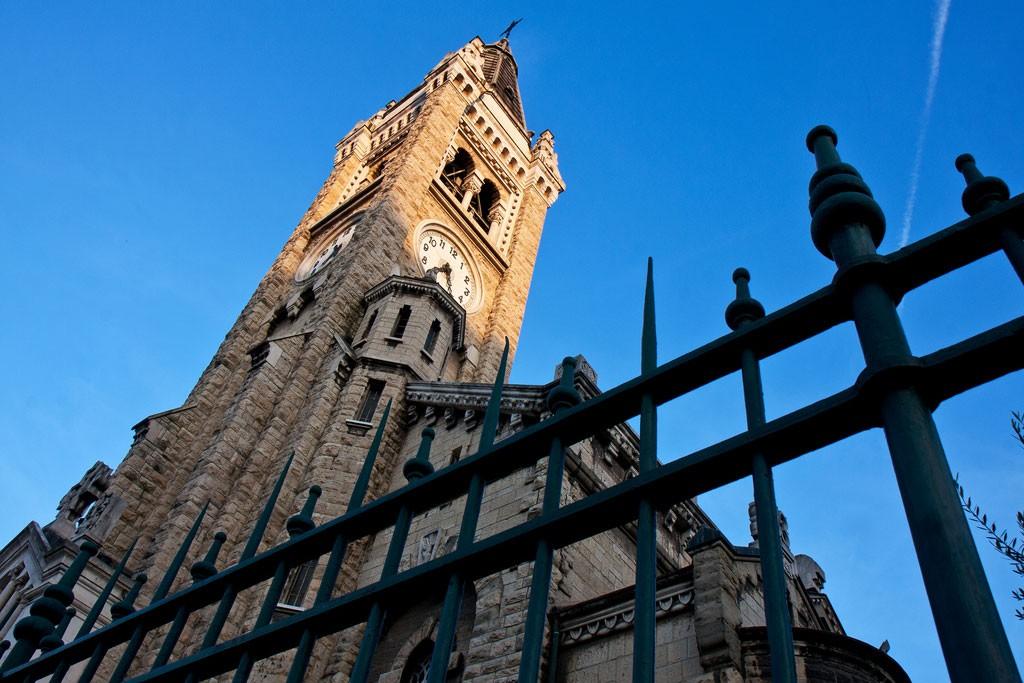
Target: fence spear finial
x=363, y=482
x=649, y=337
x=179, y=558
x=253, y=544
x=490, y=424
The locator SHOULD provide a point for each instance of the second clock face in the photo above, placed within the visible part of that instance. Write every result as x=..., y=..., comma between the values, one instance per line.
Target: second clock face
x=451, y=266
x=321, y=254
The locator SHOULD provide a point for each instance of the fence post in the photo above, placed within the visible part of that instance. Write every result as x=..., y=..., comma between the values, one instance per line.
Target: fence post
x=562, y=396
x=847, y=226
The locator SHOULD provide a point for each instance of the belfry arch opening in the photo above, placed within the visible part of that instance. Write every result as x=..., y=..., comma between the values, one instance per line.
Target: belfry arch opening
x=456, y=172
x=485, y=202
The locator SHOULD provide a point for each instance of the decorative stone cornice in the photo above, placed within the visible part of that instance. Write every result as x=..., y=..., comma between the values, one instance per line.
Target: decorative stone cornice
x=515, y=398
x=420, y=286
x=619, y=617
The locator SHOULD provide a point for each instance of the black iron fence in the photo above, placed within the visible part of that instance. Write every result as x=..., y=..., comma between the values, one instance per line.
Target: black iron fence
x=897, y=391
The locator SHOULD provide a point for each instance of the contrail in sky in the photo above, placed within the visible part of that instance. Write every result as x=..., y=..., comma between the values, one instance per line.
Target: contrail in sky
x=935, y=58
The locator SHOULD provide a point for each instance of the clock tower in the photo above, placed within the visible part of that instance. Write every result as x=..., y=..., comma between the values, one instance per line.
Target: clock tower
x=412, y=264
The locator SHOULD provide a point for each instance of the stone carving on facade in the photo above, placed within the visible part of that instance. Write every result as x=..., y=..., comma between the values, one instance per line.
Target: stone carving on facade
x=783, y=527
x=78, y=502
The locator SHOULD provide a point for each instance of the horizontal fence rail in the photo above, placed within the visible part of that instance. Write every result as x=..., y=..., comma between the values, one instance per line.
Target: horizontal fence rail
x=896, y=392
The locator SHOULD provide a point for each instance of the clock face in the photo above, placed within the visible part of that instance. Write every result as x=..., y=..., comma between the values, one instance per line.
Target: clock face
x=446, y=260
x=324, y=250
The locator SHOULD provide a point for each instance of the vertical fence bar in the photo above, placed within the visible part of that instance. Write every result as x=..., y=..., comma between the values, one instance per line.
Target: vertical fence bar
x=304, y=650
x=48, y=610
x=414, y=469
x=200, y=571
x=101, y=599
x=983, y=192
x=647, y=529
x=741, y=312
x=297, y=525
x=467, y=533
x=847, y=226
x=562, y=396
x=227, y=600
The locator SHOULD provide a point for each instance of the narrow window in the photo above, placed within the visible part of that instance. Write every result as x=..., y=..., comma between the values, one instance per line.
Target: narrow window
x=456, y=455
x=371, y=397
x=432, y=334
x=369, y=324
x=401, y=322
x=294, y=593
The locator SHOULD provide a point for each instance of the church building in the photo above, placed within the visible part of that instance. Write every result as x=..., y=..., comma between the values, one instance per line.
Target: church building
x=393, y=299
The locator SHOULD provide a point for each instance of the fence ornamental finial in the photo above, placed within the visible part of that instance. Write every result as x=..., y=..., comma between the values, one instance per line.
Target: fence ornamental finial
x=420, y=466
x=743, y=308
x=564, y=395
x=839, y=196
x=207, y=567
x=303, y=522
x=981, y=191
x=126, y=606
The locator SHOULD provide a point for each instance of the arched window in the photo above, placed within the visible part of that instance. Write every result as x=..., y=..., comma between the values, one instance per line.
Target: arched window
x=417, y=667
x=484, y=203
x=456, y=171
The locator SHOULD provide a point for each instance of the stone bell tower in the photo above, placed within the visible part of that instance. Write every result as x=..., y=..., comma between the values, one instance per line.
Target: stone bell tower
x=413, y=264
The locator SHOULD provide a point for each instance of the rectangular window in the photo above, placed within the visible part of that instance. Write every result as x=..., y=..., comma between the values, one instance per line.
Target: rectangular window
x=297, y=586
x=371, y=397
x=432, y=334
x=401, y=322
x=369, y=324
x=456, y=455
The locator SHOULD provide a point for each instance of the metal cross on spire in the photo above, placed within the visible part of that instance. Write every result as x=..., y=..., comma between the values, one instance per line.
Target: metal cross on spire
x=508, y=29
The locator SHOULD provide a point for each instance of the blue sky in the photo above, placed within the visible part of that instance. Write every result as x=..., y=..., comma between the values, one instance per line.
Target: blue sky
x=153, y=159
